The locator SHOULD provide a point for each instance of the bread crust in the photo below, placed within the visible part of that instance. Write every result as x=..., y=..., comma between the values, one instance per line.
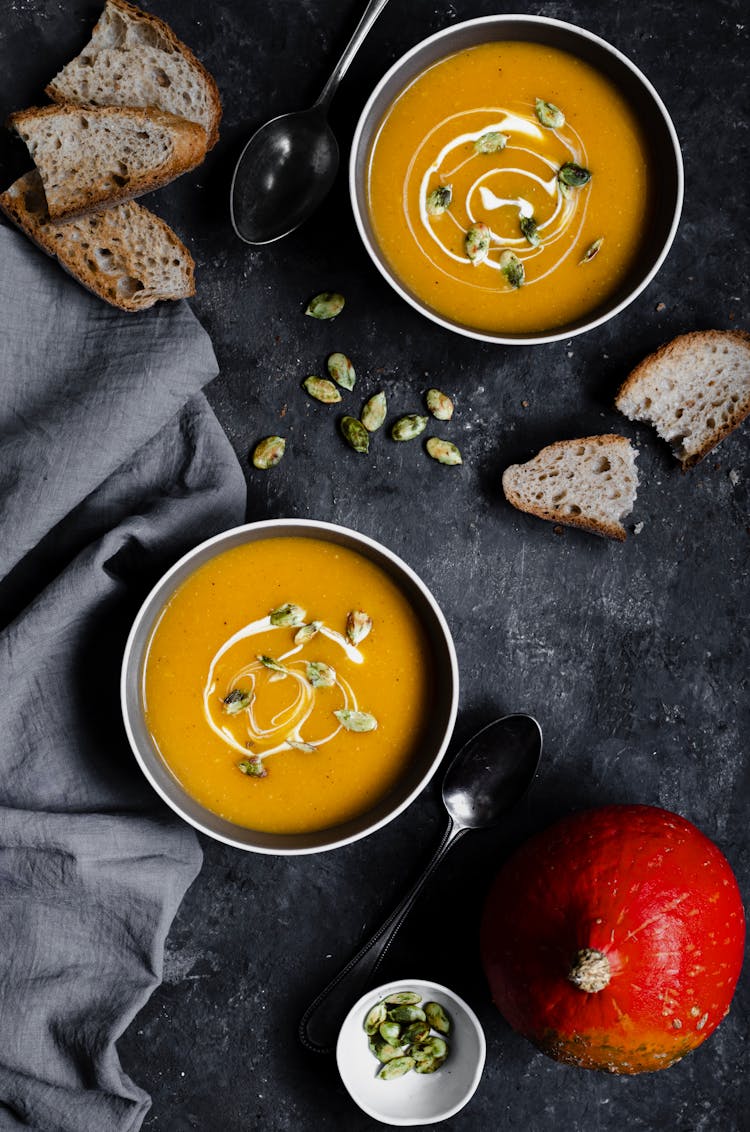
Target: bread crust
x=682, y=347
x=131, y=12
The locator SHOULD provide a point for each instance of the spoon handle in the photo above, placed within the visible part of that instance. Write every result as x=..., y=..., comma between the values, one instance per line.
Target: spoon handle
x=321, y=1021
x=369, y=16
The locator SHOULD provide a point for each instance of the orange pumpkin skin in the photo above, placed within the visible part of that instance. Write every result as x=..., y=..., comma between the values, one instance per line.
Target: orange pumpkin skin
x=648, y=891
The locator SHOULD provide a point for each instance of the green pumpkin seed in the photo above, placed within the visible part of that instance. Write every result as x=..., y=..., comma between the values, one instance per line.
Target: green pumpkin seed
x=288, y=614
x=443, y=451
x=325, y=305
x=491, y=142
x=477, y=242
x=403, y=998
x=591, y=251
x=384, y=1051
x=433, y=1047
x=342, y=371
x=307, y=632
x=301, y=745
x=358, y=721
x=358, y=626
x=437, y=1017
x=407, y=1014
x=528, y=226
x=373, y=413
x=512, y=268
x=253, y=767
x=439, y=404
x=269, y=662
x=320, y=675
x=355, y=434
x=429, y=1065
x=390, y=1032
x=417, y=1032
x=407, y=428
x=396, y=1068
x=575, y=176
x=269, y=452
x=322, y=390
x=376, y=1016
x=549, y=115
x=237, y=701
x=439, y=200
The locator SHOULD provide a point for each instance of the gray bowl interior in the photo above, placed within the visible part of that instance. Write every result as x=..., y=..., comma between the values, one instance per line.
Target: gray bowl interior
x=435, y=735
x=665, y=162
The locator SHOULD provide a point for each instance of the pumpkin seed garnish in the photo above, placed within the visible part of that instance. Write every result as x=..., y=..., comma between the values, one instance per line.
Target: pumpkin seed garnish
x=491, y=142
x=407, y=1014
x=439, y=200
x=325, y=305
x=407, y=428
x=512, y=268
x=384, y=1051
x=359, y=721
x=355, y=434
x=400, y=1034
x=396, y=1068
x=437, y=1017
x=443, y=451
x=477, y=242
x=288, y=614
x=322, y=390
x=403, y=998
x=528, y=226
x=320, y=675
x=342, y=371
x=358, y=626
x=269, y=662
x=390, y=1032
x=373, y=413
x=575, y=176
x=307, y=632
x=376, y=1017
x=439, y=404
x=300, y=745
x=237, y=701
x=591, y=251
x=417, y=1032
x=549, y=115
x=269, y=452
x=253, y=767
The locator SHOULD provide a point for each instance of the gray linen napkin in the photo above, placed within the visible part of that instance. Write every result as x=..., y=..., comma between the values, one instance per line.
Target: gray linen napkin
x=111, y=465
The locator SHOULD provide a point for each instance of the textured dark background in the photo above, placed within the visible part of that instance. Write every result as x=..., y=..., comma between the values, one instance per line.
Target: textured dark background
x=633, y=657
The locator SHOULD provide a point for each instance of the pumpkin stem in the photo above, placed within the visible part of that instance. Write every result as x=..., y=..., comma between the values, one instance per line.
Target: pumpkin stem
x=590, y=971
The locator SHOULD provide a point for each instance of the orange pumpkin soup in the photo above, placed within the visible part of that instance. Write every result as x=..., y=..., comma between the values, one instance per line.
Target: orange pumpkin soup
x=508, y=187
x=286, y=684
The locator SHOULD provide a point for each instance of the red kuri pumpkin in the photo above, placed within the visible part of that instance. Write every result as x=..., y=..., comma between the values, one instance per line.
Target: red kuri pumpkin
x=614, y=939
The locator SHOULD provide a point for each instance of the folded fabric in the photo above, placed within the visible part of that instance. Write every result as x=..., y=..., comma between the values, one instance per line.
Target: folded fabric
x=111, y=465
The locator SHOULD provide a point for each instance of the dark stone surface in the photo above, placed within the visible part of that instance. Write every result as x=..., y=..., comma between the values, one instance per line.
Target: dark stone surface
x=633, y=657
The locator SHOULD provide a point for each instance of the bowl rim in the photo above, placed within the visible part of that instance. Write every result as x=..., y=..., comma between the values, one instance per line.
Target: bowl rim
x=162, y=590
x=441, y=989
x=534, y=339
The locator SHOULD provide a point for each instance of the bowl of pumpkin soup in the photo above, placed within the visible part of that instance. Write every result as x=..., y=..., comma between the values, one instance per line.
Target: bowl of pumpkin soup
x=289, y=686
x=516, y=179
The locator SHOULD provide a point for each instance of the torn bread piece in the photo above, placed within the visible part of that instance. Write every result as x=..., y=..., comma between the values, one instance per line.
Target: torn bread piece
x=694, y=391
x=92, y=157
x=589, y=483
x=125, y=254
x=135, y=59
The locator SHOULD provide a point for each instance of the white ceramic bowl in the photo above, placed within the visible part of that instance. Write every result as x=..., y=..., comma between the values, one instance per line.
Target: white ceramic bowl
x=415, y=1098
x=651, y=112
x=425, y=760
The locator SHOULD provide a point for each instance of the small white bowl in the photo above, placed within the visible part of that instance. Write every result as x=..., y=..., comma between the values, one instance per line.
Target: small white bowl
x=414, y=1098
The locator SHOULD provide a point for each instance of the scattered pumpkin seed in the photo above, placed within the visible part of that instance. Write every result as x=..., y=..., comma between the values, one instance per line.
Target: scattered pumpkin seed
x=253, y=767
x=437, y=1017
x=269, y=662
x=396, y=1068
x=430, y=1065
x=342, y=371
x=301, y=745
x=320, y=675
x=512, y=268
x=491, y=142
x=373, y=413
x=417, y=1032
x=407, y=1014
x=439, y=404
x=322, y=390
x=325, y=305
x=443, y=451
x=358, y=721
x=358, y=626
x=477, y=242
x=307, y=632
x=591, y=251
x=390, y=1032
x=529, y=229
x=384, y=1051
x=575, y=176
x=288, y=614
x=355, y=434
x=439, y=200
x=434, y=1047
x=236, y=701
x=549, y=115
x=407, y=428
x=269, y=452
x=375, y=1018
x=403, y=998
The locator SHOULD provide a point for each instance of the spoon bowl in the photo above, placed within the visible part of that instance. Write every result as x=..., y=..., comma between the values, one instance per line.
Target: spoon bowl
x=480, y=787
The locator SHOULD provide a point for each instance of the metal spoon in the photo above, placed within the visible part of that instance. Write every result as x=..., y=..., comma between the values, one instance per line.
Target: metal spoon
x=289, y=164
x=488, y=776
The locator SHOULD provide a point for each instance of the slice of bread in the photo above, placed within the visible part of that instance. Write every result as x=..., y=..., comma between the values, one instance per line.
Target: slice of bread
x=89, y=158
x=694, y=391
x=124, y=254
x=135, y=59
x=589, y=483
